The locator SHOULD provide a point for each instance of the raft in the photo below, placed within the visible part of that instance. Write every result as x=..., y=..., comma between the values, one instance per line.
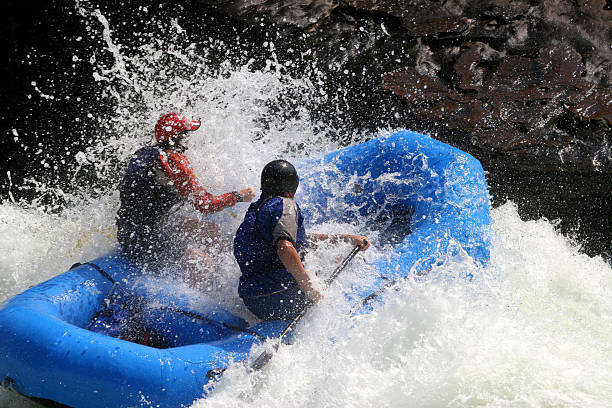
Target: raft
x=49, y=350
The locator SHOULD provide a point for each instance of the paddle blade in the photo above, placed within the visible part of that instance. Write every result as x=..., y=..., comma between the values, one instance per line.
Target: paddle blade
x=215, y=373
x=261, y=361
x=264, y=357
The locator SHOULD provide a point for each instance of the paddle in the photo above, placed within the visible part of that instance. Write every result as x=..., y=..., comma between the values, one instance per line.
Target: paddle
x=265, y=356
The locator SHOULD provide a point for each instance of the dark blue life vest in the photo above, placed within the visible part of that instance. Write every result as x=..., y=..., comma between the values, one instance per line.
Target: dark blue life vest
x=255, y=247
x=144, y=201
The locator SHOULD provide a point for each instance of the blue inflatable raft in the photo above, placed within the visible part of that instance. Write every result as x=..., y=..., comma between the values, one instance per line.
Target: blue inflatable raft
x=52, y=350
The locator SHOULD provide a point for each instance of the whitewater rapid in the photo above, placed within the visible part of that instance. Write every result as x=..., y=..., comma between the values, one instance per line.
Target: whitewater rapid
x=532, y=329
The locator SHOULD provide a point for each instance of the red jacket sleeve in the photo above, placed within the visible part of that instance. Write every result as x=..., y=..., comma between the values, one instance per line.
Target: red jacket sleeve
x=178, y=168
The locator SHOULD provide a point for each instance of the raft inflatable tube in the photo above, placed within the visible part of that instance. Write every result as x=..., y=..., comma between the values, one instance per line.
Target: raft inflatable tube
x=49, y=352
x=443, y=188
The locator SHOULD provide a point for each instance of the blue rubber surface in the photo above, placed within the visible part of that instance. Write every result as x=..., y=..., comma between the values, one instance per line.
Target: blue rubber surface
x=445, y=186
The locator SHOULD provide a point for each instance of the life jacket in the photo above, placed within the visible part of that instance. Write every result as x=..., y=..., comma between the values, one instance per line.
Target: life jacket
x=255, y=246
x=144, y=201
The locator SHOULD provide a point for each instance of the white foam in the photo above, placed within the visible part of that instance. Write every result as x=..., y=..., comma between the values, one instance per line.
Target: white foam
x=532, y=330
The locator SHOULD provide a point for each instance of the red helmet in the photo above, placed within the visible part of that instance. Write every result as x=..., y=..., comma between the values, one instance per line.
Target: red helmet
x=172, y=125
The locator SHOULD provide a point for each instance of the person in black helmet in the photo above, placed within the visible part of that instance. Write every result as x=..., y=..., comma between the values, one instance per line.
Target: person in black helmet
x=274, y=283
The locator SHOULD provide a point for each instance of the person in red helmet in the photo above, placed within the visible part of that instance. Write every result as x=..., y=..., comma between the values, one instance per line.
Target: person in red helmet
x=159, y=178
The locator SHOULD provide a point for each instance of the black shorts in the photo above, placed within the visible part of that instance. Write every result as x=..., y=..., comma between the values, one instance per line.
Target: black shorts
x=282, y=304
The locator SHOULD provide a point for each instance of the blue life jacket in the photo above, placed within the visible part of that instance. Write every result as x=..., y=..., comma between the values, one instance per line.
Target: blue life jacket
x=267, y=221
x=144, y=202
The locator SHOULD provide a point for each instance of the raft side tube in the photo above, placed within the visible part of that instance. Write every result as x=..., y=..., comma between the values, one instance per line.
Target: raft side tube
x=445, y=186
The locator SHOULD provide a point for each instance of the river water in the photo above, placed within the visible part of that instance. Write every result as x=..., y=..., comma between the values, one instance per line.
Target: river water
x=532, y=329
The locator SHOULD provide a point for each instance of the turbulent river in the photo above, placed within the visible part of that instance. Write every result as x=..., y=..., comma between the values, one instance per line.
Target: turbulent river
x=532, y=329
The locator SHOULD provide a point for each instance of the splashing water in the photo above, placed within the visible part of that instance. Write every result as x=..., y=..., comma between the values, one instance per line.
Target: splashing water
x=532, y=329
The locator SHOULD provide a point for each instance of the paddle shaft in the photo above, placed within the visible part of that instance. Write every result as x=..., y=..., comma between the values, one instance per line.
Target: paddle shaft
x=265, y=356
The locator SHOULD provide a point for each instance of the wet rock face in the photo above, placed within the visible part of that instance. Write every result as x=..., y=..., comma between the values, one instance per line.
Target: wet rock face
x=524, y=85
x=295, y=13
x=514, y=104
x=517, y=77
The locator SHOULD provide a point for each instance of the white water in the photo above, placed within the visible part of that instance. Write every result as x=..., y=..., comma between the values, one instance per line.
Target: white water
x=532, y=330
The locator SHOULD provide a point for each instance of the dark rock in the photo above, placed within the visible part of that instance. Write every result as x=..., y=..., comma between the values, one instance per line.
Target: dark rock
x=296, y=13
x=513, y=101
x=472, y=65
x=437, y=26
x=503, y=9
x=395, y=8
x=421, y=90
x=596, y=106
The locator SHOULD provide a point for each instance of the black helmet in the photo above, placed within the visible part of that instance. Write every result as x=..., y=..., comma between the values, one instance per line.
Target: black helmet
x=279, y=176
